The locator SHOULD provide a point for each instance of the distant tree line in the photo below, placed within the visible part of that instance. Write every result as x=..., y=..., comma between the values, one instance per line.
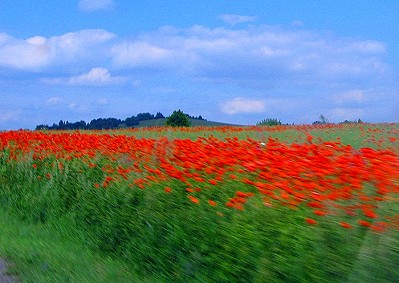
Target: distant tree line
x=324, y=120
x=106, y=123
x=269, y=122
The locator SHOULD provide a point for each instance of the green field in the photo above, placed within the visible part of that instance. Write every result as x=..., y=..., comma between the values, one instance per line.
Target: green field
x=203, y=204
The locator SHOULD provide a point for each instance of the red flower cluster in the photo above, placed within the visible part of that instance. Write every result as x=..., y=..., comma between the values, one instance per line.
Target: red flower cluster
x=329, y=178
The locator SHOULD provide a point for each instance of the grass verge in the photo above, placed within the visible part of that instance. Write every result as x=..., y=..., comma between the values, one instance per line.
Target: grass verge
x=53, y=253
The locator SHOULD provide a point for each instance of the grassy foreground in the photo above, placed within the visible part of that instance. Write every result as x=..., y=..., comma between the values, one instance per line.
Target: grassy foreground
x=55, y=253
x=300, y=207
x=49, y=253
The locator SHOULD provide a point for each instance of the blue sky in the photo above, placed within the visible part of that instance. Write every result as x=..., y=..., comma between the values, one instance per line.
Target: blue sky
x=231, y=61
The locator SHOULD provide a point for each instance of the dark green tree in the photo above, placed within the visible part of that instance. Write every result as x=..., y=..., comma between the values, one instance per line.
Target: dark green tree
x=269, y=122
x=145, y=116
x=159, y=115
x=178, y=119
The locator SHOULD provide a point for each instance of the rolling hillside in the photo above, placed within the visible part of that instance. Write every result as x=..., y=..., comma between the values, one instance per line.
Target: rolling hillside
x=194, y=123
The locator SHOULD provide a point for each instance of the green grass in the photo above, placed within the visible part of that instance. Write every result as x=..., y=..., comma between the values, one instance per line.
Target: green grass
x=55, y=252
x=63, y=229
x=356, y=135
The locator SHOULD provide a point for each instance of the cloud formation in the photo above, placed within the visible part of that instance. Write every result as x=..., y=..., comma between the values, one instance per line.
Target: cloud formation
x=37, y=53
x=9, y=115
x=233, y=71
x=134, y=54
x=23, y=54
x=95, y=5
x=352, y=96
x=263, y=56
x=242, y=105
x=232, y=20
x=95, y=77
x=54, y=100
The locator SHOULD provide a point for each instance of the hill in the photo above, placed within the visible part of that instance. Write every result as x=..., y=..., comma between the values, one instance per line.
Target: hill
x=194, y=123
x=138, y=121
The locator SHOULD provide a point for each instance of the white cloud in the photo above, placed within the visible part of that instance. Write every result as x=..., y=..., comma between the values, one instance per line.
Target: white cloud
x=95, y=77
x=290, y=62
x=257, y=56
x=368, y=46
x=236, y=19
x=4, y=38
x=352, y=96
x=95, y=5
x=78, y=46
x=36, y=40
x=137, y=84
x=54, y=100
x=303, y=72
x=263, y=56
x=242, y=105
x=38, y=52
x=9, y=115
x=23, y=54
x=138, y=54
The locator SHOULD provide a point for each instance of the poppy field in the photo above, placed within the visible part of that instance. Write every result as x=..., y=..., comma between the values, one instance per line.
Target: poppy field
x=224, y=204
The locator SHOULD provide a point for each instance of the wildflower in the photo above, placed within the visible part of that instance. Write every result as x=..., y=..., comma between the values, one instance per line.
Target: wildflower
x=229, y=204
x=369, y=213
x=213, y=182
x=364, y=223
x=379, y=226
x=311, y=221
x=239, y=206
x=167, y=190
x=320, y=212
x=268, y=204
x=241, y=194
x=345, y=225
x=194, y=199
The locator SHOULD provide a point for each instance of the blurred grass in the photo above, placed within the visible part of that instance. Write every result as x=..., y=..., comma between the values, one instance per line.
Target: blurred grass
x=73, y=232
x=55, y=252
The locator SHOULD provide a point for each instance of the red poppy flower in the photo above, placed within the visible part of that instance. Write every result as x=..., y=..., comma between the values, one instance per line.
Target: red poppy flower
x=345, y=225
x=311, y=221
